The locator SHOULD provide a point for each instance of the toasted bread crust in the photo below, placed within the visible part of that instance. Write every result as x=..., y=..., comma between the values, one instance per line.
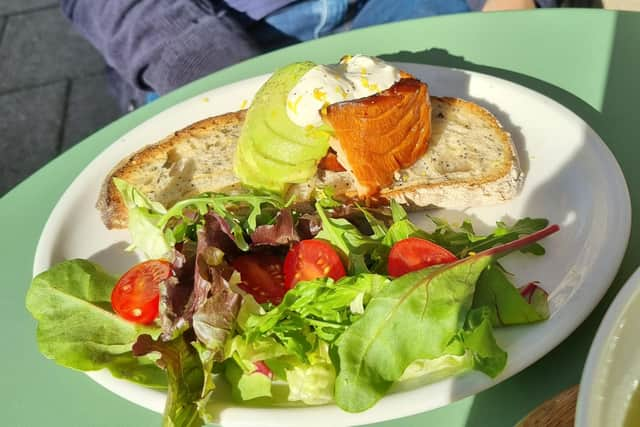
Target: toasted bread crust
x=510, y=156
x=110, y=204
x=456, y=125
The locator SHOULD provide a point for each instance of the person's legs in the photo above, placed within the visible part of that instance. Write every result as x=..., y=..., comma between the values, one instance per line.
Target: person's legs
x=377, y=12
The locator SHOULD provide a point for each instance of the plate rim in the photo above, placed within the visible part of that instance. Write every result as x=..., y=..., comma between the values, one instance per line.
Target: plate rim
x=623, y=229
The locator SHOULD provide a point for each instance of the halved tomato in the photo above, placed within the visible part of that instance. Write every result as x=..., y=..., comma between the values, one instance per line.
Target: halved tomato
x=261, y=276
x=413, y=254
x=136, y=296
x=311, y=259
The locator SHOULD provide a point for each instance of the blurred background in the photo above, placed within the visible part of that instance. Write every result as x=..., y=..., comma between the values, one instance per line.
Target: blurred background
x=53, y=88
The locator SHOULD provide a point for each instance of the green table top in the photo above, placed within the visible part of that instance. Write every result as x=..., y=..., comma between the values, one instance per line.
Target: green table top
x=588, y=60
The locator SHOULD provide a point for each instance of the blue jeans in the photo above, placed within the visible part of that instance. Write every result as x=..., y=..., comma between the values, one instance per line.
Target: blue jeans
x=309, y=19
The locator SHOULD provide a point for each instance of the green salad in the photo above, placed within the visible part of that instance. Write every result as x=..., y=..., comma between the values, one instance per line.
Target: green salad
x=336, y=302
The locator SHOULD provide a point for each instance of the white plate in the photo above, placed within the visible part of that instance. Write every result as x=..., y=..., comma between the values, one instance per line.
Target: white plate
x=612, y=371
x=572, y=179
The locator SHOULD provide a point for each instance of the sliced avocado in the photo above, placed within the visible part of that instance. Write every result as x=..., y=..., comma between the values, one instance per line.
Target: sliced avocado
x=289, y=150
x=286, y=172
x=272, y=151
x=245, y=166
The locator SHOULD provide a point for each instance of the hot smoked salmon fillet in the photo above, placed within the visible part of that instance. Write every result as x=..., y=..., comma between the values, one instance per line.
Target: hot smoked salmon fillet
x=376, y=136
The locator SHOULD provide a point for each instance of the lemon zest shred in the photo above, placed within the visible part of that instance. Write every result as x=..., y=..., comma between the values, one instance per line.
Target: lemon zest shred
x=319, y=94
x=293, y=106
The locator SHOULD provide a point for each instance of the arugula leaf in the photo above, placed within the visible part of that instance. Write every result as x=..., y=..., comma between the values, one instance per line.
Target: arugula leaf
x=77, y=327
x=465, y=241
x=505, y=303
x=346, y=237
x=402, y=227
x=322, y=304
x=479, y=341
x=417, y=316
x=186, y=378
x=240, y=212
x=155, y=230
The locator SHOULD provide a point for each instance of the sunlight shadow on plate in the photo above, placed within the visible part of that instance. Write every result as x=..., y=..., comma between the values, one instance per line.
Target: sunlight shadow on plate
x=115, y=259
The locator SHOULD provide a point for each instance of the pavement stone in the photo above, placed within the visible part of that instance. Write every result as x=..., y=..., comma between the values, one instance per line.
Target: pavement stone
x=17, y=6
x=40, y=47
x=90, y=107
x=3, y=21
x=29, y=131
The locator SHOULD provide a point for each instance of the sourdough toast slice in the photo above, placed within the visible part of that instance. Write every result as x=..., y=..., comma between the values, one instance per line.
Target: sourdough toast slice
x=193, y=160
x=471, y=161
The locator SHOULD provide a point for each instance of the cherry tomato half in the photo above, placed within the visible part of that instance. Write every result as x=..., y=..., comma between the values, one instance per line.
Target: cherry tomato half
x=261, y=276
x=413, y=254
x=136, y=296
x=311, y=259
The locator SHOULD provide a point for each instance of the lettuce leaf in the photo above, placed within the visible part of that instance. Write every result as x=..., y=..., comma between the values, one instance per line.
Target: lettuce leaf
x=474, y=347
x=207, y=359
x=246, y=385
x=281, y=232
x=140, y=370
x=506, y=304
x=185, y=374
x=203, y=299
x=465, y=241
x=313, y=382
x=415, y=317
x=77, y=327
x=144, y=216
x=418, y=316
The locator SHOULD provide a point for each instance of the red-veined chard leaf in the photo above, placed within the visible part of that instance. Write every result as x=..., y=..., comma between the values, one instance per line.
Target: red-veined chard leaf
x=415, y=317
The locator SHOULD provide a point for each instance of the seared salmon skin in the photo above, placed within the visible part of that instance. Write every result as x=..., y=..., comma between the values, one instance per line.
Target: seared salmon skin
x=380, y=134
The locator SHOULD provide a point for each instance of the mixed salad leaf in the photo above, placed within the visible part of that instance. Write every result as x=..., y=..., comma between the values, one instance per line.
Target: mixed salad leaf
x=78, y=329
x=337, y=321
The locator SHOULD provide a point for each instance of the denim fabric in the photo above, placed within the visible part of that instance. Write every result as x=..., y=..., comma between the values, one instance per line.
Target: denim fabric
x=309, y=19
x=377, y=12
x=257, y=9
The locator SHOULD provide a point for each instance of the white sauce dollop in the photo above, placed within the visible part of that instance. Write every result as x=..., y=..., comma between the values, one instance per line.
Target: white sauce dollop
x=354, y=77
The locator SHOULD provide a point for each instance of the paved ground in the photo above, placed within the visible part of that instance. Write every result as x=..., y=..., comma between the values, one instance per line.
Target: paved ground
x=53, y=91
